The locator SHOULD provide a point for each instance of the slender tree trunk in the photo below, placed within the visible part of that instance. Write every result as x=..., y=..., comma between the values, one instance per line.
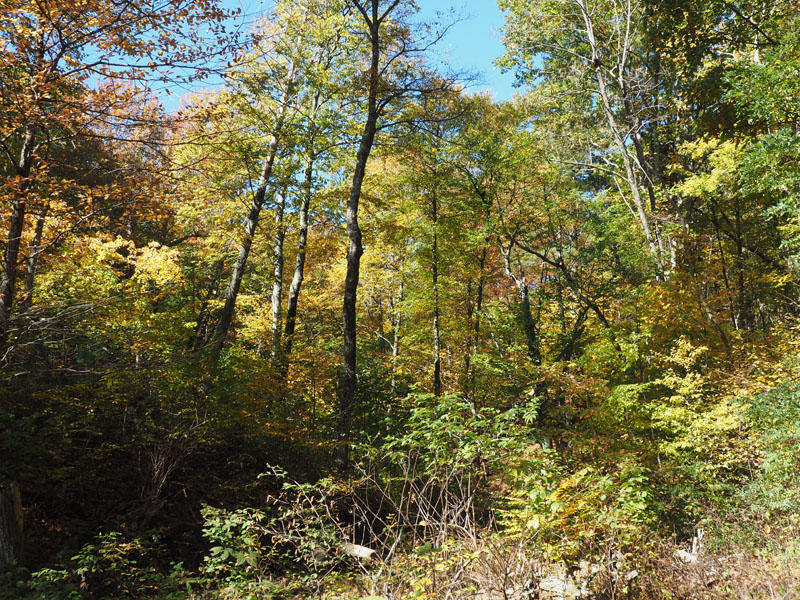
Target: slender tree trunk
x=437, y=359
x=277, y=280
x=232, y=291
x=529, y=325
x=33, y=258
x=701, y=300
x=300, y=259
x=396, y=322
x=630, y=171
x=8, y=277
x=568, y=345
x=299, y=268
x=476, y=328
x=744, y=308
x=525, y=315
x=354, y=252
x=202, y=329
x=619, y=140
x=468, y=350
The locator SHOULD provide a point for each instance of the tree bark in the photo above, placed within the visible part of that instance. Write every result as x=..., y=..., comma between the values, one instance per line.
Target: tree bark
x=619, y=140
x=525, y=315
x=396, y=322
x=437, y=359
x=8, y=277
x=10, y=525
x=529, y=325
x=299, y=269
x=476, y=328
x=277, y=280
x=33, y=258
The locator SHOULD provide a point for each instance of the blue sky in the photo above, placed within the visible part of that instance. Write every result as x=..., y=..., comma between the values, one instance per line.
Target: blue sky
x=471, y=45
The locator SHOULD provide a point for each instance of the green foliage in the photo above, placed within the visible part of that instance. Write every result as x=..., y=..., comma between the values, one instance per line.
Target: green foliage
x=774, y=493
x=615, y=256
x=236, y=543
x=449, y=432
x=113, y=566
x=295, y=533
x=579, y=515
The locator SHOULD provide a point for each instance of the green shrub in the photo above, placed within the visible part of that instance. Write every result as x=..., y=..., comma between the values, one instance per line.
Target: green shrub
x=111, y=567
x=775, y=490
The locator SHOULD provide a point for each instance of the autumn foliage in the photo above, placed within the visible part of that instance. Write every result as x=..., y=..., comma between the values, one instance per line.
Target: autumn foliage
x=336, y=299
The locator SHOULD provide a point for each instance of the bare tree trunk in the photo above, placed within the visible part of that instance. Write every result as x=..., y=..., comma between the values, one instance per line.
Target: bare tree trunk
x=299, y=269
x=10, y=525
x=529, y=326
x=703, y=304
x=525, y=315
x=202, y=330
x=277, y=279
x=476, y=335
x=437, y=359
x=468, y=350
x=619, y=140
x=232, y=291
x=396, y=322
x=355, y=249
x=8, y=277
x=33, y=257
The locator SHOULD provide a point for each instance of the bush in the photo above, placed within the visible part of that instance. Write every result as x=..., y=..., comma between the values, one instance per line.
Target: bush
x=112, y=567
x=775, y=490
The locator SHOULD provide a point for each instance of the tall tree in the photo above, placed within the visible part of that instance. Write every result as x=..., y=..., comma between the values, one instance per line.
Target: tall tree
x=393, y=73
x=280, y=75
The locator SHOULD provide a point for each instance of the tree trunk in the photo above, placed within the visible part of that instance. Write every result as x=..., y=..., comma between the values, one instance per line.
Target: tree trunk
x=232, y=291
x=10, y=525
x=277, y=279
x=525, y=315
x=468, y=349
x=487, y=211
x=33, y=257
x=354, y=252
x=202, y=330
x=8, y=277
x=529, y=325
x=437, y=359
x=476, y=329
x=299, y=267
x=396, y=322
x=619, y=140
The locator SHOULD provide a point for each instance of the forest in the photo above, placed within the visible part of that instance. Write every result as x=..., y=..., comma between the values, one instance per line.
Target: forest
x=339, y=325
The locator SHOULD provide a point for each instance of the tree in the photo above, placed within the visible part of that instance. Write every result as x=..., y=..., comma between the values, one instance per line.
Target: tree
x=274, y=80
x=392, y=75
x=598, y=44
x=49, y=53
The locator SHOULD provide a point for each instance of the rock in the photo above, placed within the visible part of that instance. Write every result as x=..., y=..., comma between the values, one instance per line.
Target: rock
x=685, y=556
x=559, y=588
x=357, y=551
x=553, y=588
